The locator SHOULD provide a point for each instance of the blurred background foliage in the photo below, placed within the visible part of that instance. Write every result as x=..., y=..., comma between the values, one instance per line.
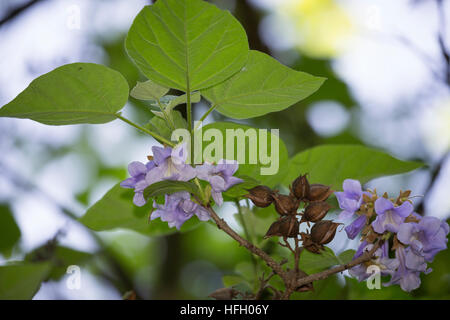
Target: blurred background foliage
x=388, y=84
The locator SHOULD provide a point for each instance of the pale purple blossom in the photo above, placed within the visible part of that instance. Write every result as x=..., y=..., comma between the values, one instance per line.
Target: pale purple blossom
x=427, y=237
x=355, y=227
x=408, y=272
x=350, y=199
x=170, y=165
x=177, y=209
x=167, y=164
x=220, y=177
x=387, y=266
x=138, y=171
x=390, y=217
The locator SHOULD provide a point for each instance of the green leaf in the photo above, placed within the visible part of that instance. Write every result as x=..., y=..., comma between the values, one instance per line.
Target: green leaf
x=346, y=256
x=313, y=262
x=148, y=90
x=187, y=44
x=21, y=282
x=116, y=210
x=159, y=125
x=232, y=280
x=264, y=85
x=252, y=162
x=332, y=164
x=9, y=231
x=168, y=187
x=71, y=94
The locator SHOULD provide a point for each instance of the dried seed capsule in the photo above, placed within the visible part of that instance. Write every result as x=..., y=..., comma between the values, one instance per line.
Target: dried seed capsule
x=300, y=187
x=286, y=227
x=286, y=205
x=309, y=245
x=261, y=196
x=315, y=211
x=319, y=192
x=323, y=231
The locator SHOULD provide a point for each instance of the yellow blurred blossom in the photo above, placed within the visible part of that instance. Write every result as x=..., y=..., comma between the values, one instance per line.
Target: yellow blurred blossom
x=323, y=26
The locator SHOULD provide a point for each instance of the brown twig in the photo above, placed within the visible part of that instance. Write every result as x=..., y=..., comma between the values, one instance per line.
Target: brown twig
x=275, y=266
x=366, y=256
x=290, y=277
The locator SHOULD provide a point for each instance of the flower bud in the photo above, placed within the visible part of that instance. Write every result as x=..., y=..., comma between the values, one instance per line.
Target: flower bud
x=300, y=187
x=286, y=227
x=323, y=231
x=286, y=205
x=261, y=196
x=315, y=211
x=319, y=192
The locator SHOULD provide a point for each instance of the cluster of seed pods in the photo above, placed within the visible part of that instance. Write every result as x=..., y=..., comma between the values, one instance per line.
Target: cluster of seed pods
x=313, y=197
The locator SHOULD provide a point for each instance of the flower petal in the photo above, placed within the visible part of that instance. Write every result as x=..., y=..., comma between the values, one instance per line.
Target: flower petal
x=404, y=210
x=382, y=205
x=136, y=168
x=352, y=187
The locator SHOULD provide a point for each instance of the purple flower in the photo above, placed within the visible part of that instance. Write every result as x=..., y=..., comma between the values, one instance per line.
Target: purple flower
x=355, y=227
x=177, y=209
x=350, y=199
x=409, y=269
x=387, y=266
x=137, y=181
x=220, y=177
x=170, y=165
x=389, y=217
x=426, y=238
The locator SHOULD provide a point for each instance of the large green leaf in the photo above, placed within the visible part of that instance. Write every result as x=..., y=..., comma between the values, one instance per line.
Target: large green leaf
x=187, y=44
x=71, y=94
x=9, y=231
x=21, y=282
x=251, y=149
x=264, y=85
x=116, y=210
x=332, y=164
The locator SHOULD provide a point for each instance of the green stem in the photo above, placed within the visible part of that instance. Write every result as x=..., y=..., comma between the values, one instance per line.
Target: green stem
x=208, y=112
x=189, y=107
x=202, y=192
x=154, y=135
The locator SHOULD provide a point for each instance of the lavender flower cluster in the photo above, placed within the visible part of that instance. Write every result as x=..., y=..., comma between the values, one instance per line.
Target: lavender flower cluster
x=170, y=164
x=415, y=240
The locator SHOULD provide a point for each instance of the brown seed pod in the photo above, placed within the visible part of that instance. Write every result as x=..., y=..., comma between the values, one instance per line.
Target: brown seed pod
x=309, y=245
x=286, y=205
x=319, y=192
x=261, y=196
x=315, y=211
x=300, y=187
x=286, y=227
x=323, y=231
